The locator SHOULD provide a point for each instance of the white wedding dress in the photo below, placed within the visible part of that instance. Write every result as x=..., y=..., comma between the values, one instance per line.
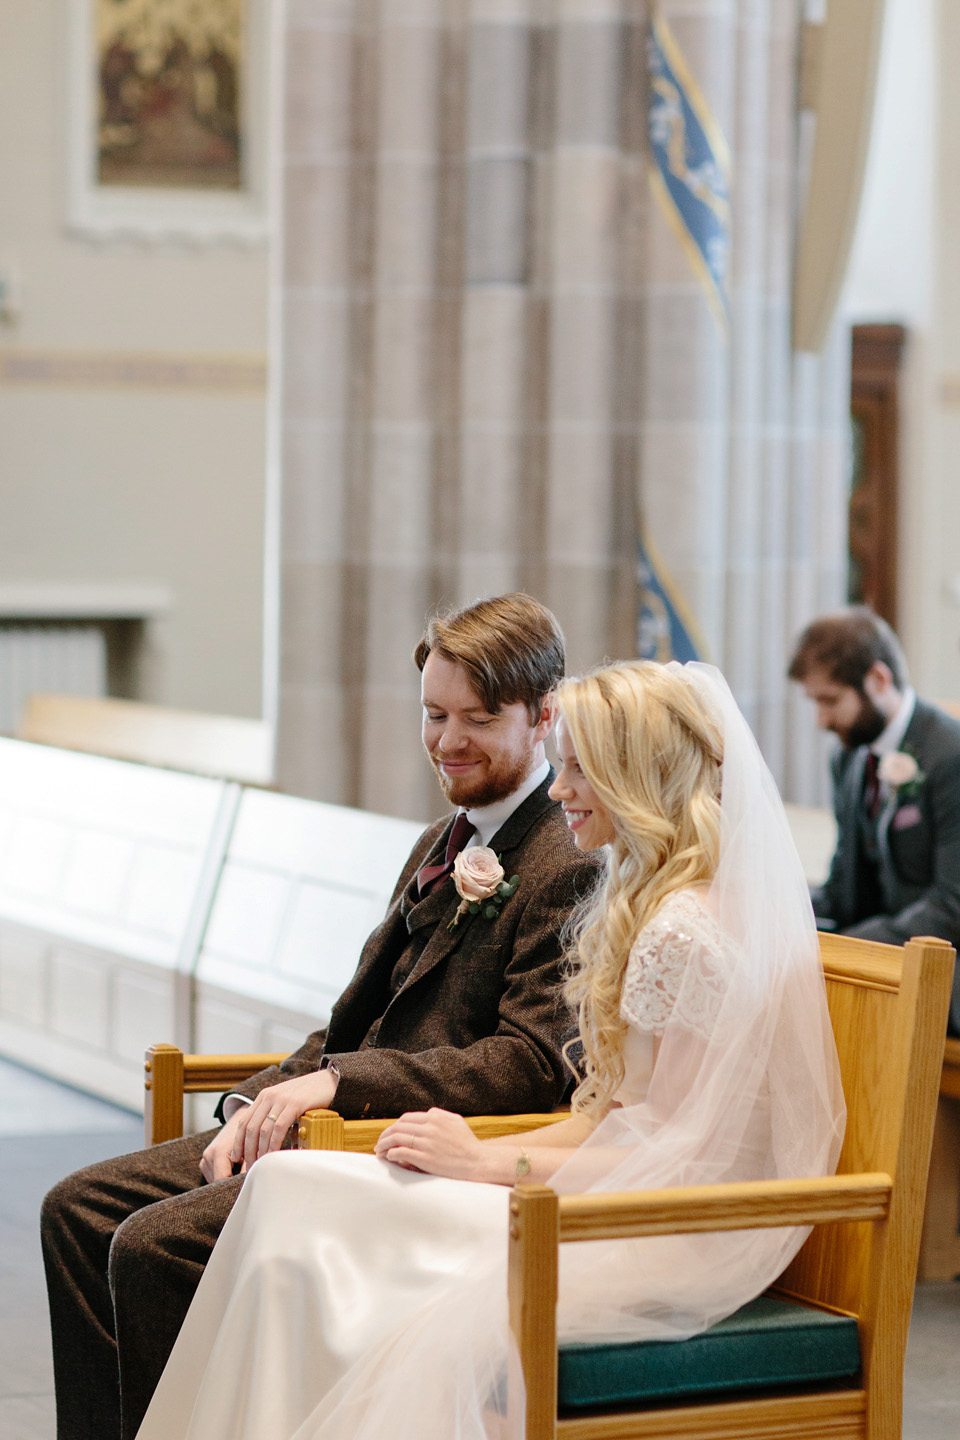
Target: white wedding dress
x=326, y=1255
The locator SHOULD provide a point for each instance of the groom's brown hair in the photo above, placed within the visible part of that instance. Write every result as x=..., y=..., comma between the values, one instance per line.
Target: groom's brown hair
x=846, y=644
x=511, y=647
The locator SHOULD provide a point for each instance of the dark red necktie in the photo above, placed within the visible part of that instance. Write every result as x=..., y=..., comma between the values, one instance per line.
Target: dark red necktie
x=871, y=785
x=432, y=875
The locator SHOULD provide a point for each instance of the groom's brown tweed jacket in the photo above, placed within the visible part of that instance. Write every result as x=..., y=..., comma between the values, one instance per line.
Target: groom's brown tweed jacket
x=471, y=1019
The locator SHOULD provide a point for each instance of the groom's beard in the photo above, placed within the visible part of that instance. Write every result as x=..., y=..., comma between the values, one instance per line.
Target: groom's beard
x=494, y=782
x=867, y=727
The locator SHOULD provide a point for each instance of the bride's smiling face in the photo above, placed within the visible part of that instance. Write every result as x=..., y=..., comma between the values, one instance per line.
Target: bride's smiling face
x=586, y=814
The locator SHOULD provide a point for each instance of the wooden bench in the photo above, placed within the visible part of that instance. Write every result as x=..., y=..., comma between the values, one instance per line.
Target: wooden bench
x=814, y=832
x=888, y=1007
x=940, y=1243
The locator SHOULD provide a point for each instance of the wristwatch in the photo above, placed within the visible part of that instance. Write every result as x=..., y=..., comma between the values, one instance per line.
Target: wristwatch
x=523, y=1166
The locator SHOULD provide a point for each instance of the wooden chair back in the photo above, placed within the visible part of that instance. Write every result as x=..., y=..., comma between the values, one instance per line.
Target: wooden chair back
x=225, y=746
x=873, y=997
x=888, y=1007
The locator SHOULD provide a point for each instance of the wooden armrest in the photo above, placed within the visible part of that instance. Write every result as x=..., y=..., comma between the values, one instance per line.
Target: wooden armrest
x=204, y=1073
x=756, y=1204
x=326, y=1130
x=169, y=1075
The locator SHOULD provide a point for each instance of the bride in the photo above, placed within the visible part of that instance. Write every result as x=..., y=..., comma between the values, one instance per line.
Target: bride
x=352, y=1297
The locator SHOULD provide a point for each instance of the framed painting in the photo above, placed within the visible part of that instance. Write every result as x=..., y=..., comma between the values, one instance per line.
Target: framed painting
x=169, y=118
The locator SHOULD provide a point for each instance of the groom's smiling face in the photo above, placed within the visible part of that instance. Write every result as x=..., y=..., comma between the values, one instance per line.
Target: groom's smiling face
x=479, y=758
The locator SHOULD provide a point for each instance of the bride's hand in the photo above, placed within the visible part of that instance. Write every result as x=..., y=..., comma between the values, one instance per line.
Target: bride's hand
x=434, y=1141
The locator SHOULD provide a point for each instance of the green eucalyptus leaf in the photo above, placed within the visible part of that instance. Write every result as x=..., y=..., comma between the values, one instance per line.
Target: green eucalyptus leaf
x=490, y=912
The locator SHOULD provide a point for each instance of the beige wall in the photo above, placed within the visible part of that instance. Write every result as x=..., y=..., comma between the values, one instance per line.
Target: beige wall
x=941, y=541
x=904, y=268
x=106, y=475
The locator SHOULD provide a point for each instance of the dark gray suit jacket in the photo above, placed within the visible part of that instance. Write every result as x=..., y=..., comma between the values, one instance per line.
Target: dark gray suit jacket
x=917, y=890
x=478, y=1023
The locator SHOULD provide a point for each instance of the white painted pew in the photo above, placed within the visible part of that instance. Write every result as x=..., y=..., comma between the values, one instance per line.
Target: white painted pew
x=107, y=872
x=224, y=746
x=139, y=905
x=303, y=884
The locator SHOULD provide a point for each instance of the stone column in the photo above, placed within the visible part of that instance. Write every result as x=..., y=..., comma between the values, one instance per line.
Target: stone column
x=493, y=348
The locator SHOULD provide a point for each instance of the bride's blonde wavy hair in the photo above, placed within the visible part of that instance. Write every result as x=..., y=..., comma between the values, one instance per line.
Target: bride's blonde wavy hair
x=652, y=754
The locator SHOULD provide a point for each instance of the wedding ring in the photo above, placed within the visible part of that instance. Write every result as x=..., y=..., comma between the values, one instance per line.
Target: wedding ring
x=274, y=1118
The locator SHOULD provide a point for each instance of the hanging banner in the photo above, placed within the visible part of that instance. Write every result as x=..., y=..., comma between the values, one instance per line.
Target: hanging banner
x=690, y=165
x=665, y=628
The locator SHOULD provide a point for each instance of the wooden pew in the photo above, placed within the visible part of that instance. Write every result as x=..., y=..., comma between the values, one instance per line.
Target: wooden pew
x=940, y=1241
x=888, y=1008
x=814, y=832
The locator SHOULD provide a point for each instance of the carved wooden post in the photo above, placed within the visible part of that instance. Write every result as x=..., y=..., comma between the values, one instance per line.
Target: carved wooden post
x=532, y=1292
x=163, y=1097
x=321, y=1130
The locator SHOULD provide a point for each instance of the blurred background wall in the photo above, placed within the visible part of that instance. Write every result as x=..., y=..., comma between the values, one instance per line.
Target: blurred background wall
x=132, y=407
x=473, y=356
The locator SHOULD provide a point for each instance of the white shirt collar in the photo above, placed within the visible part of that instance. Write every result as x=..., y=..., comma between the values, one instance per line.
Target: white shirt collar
x=890, y=739
x=489, y=818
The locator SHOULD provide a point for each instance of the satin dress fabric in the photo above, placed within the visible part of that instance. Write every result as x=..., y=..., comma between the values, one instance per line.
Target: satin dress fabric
x=324, y=1256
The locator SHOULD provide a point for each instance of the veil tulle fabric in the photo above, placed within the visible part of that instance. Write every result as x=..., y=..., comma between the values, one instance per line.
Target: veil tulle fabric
x=745, y=1086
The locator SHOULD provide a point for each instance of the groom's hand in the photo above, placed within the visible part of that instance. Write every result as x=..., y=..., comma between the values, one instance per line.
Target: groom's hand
x=262, y=1126
x=215, y=1162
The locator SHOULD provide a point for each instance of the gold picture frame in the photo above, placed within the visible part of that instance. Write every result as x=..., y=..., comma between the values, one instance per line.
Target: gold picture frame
x=170, y=122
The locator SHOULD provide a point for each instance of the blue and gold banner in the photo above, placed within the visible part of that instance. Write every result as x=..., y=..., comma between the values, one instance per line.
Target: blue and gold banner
x=690, y=164
x=665, y=628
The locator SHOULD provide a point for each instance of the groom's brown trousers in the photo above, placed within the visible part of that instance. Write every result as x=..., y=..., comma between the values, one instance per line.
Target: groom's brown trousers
x=102, y=1262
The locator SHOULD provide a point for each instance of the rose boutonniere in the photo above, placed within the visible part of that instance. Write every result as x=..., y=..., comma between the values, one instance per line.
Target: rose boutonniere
x=478, y=876
x=902, y=773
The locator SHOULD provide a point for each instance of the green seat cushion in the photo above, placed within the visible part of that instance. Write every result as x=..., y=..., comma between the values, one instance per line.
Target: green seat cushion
x=768, y=1342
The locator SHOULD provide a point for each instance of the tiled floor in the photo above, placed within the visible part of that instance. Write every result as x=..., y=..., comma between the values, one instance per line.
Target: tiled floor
x=47, y=1130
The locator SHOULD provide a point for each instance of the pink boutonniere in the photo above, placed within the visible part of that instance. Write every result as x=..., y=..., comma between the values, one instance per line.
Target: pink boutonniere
x=901, y=771
x=478, y=876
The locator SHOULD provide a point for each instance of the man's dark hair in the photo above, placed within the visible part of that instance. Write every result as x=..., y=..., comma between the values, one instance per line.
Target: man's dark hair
x=511, y=647
x=845, y=645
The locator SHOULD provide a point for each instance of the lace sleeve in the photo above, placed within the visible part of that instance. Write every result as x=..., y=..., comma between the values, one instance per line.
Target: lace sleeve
x=680, y=958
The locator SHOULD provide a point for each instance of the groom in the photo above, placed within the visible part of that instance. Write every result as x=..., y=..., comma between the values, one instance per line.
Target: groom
x=467, y=1016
